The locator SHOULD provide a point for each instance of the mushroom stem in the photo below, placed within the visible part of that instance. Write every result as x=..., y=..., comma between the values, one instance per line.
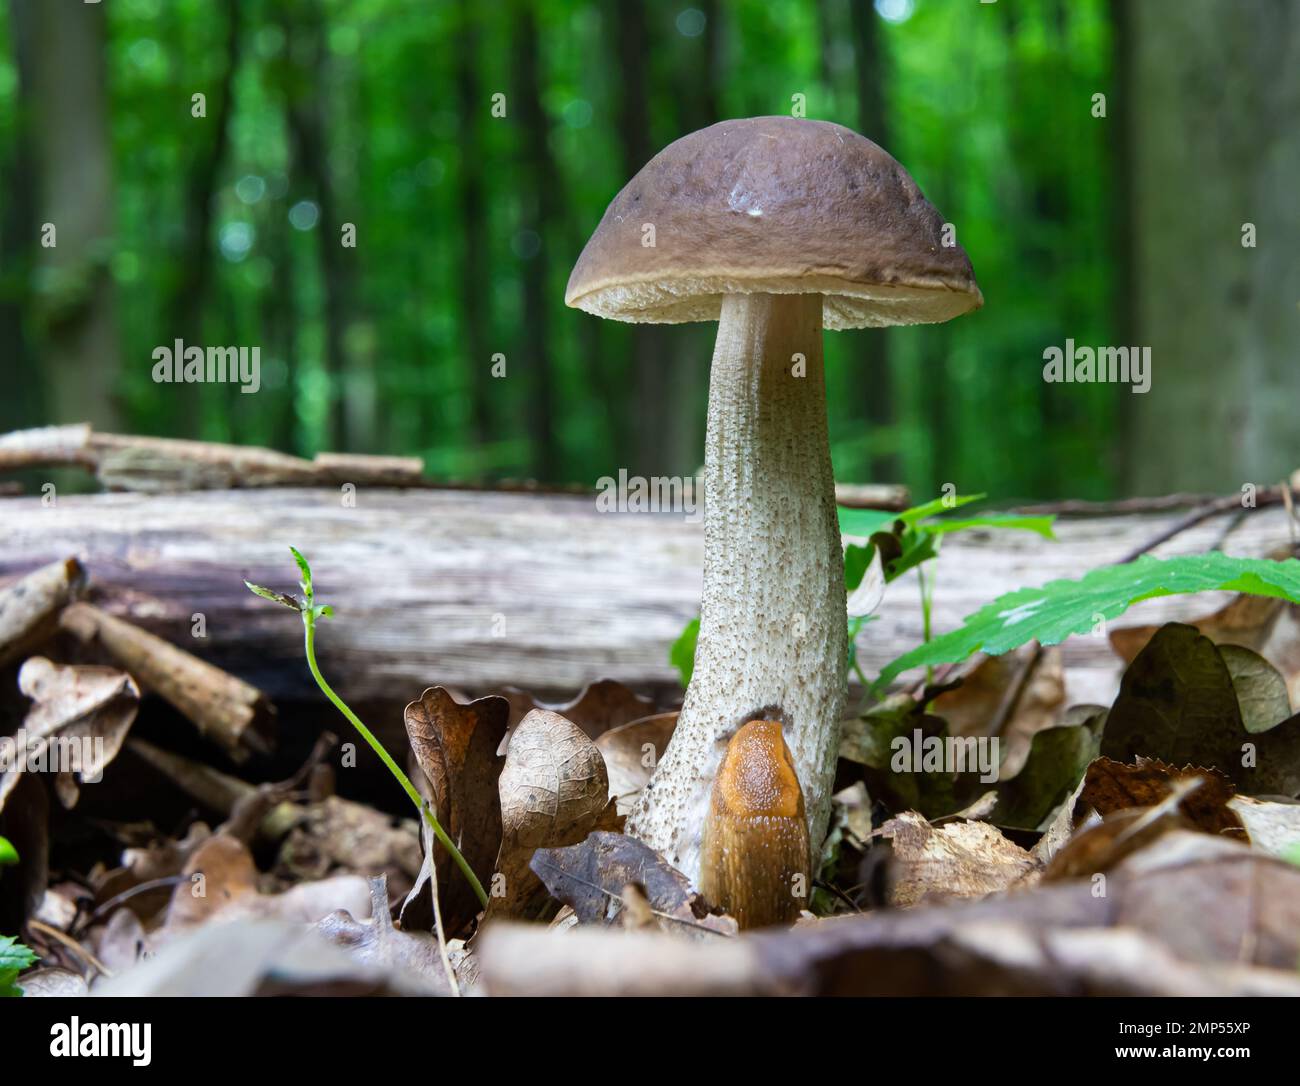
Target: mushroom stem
x=772, y=640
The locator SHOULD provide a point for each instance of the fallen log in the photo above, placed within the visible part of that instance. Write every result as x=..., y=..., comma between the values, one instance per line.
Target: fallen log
x=156, y=465
x=485, y=590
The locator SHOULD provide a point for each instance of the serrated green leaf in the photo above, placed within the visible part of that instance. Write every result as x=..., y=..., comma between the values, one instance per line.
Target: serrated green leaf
x=682, y=654
x=14, y=958
x=1054, y=611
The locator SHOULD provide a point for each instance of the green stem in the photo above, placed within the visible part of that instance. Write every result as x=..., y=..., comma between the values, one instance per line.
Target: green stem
x=309, y=623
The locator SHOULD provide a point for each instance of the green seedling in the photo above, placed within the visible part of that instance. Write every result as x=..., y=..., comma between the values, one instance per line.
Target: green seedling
x=311, y=611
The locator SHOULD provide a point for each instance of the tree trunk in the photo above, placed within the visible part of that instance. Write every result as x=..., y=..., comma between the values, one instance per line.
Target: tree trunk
x=473, y=277
x=877, y=377
x=1214, y=92
x=22, y=406
x=69, y=114
x=305, y=33
x=651, y=369
x=186, y=305
x=538, y=197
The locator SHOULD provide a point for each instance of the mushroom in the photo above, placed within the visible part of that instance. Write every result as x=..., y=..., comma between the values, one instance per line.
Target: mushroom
x=775, y=227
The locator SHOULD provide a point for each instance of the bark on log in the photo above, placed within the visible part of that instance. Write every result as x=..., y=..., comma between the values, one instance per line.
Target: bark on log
x=484, y=590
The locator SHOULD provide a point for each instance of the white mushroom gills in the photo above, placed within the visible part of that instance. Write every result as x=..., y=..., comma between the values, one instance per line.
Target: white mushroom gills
x=773, y=616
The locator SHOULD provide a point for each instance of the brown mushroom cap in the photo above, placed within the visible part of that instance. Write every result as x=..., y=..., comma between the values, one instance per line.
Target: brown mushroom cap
x=773, y=205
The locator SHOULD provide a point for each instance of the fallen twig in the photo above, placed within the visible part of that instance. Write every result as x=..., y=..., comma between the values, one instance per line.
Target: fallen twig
x=230, y=711
x=29, y=608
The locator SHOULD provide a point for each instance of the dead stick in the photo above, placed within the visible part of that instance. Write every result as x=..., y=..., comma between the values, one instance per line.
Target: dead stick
x=29, y=608
x=226, y=709
x=1272, y=495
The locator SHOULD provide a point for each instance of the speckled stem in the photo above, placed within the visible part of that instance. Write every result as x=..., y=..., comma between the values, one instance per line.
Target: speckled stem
x=772, y=619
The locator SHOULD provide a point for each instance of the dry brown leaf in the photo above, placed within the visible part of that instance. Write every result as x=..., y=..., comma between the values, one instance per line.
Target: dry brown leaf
x=600, y=706
x=1214, y=919
x=79, y=717
x=455, y=746
x=221, y=879
x=1110, y=786
x=1271, y=826
x=52, y=981
x=591, y=878
x=376, y=942
x=259, y=957
x=631, y=752
x=337, y=836
x=1100, y=846
x=554, y=791
x=1268, y=626
x=957, y=860
x=1014, y=696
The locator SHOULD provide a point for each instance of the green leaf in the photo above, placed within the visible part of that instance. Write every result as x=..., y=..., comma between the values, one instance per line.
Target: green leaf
x=918, y=547
x=8, y=854
x=1041, y=525
x=682, y=654
x=305, y=570
x=865, y=522
x=14, y=958
x=274, y=597
x=940, y=505
x=1261, y=691
x=856, y=561
x=1058, y=759
x=1054, y=611
x=1178, y=702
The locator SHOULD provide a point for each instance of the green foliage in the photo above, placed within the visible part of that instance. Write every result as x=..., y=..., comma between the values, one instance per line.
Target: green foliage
x=977, y=106
x=911, y=537
x=1056, y=761
x=1054, y=611
x=1188, y=701
x=905, y=540
x=14, y=958
x=8, y=854
x=311, y=612
x=682, y=654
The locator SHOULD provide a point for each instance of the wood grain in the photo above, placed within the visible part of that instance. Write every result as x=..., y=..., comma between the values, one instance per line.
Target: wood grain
x=483, y=590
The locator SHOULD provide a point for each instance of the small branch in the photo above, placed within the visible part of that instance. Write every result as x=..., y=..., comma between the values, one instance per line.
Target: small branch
x=161, y=465
x=1121, y=507
x=29, y=608
x=1264, y=498
x=226, y=709
x=156, y=464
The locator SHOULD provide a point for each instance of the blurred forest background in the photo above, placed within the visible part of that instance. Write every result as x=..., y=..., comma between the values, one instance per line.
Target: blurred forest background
x=225, y=229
